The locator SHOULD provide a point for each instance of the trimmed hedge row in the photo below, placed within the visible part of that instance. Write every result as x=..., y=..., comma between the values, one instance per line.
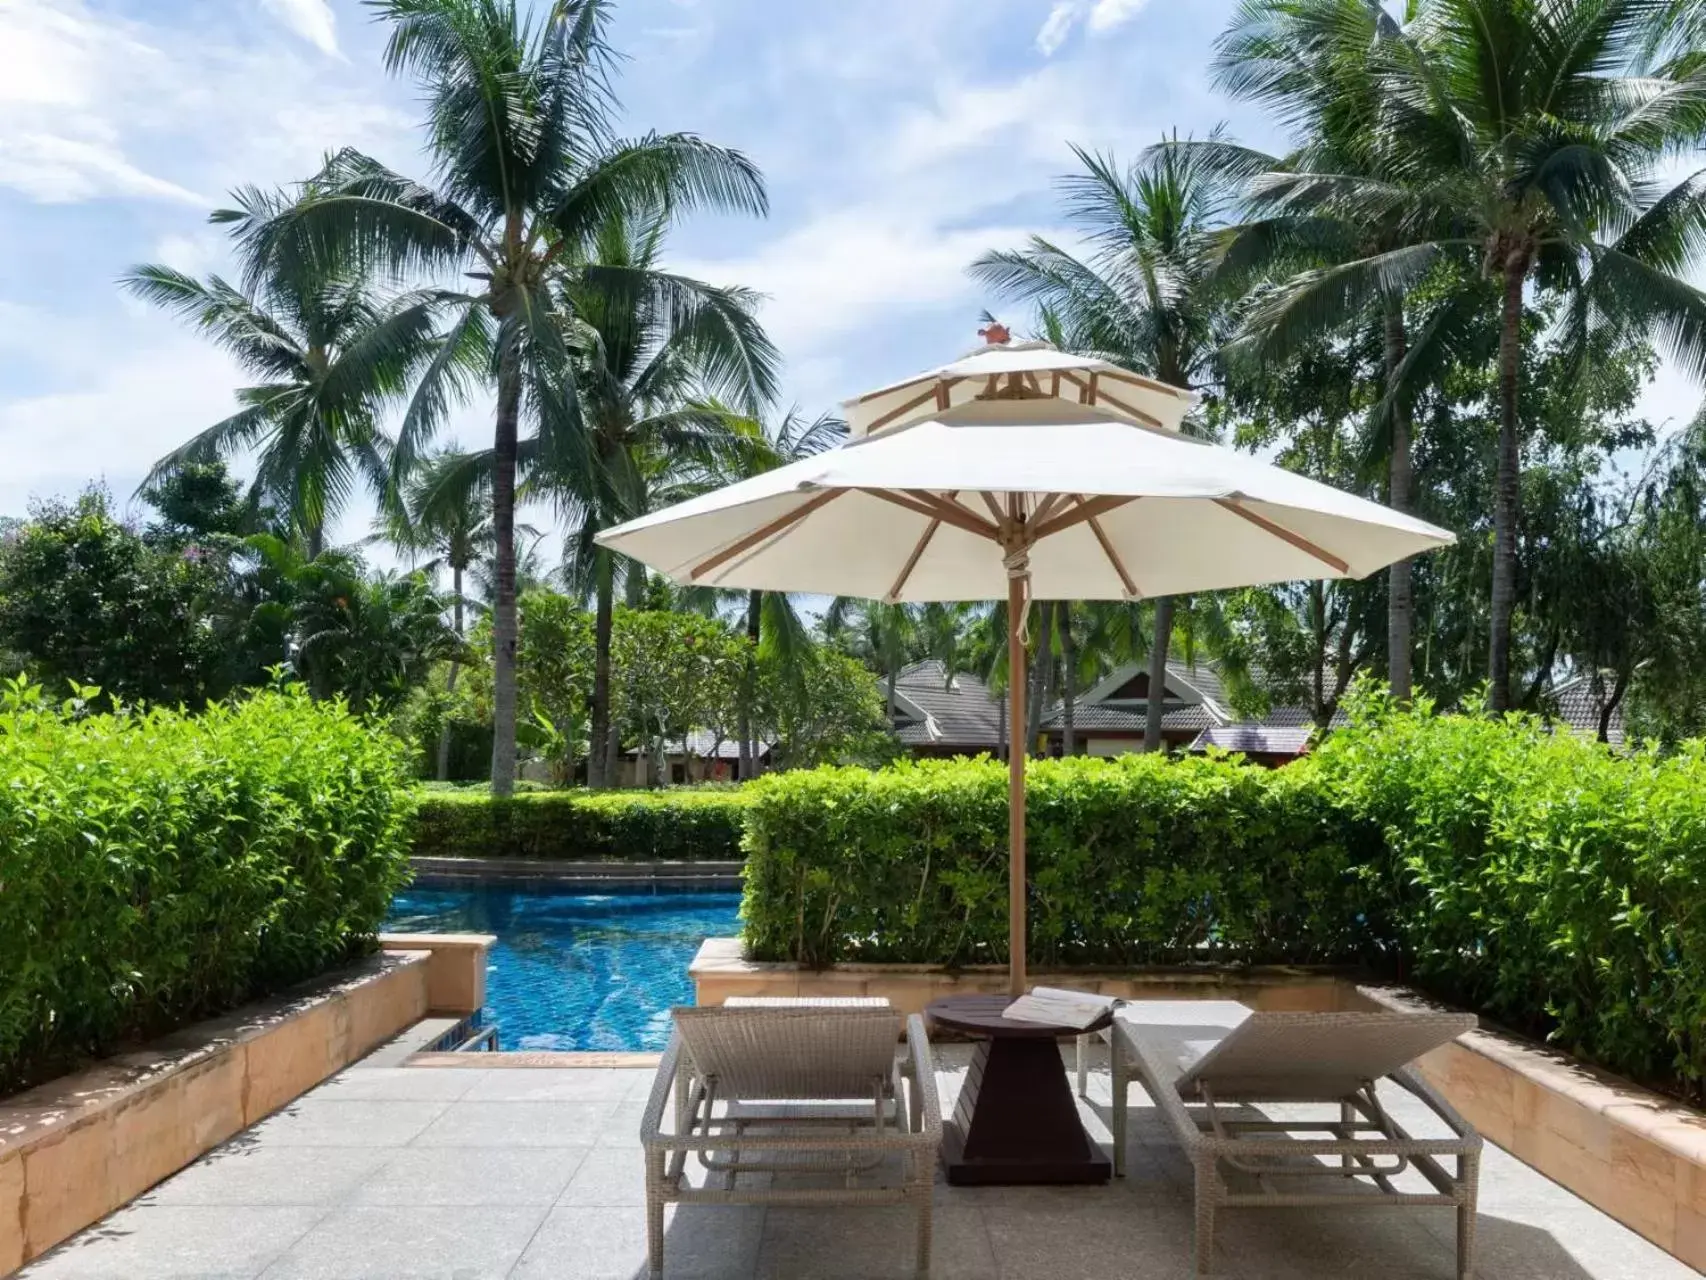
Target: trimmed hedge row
x=1536, y=877
x=157, y=868
x=598, y=826
x=1134, y=860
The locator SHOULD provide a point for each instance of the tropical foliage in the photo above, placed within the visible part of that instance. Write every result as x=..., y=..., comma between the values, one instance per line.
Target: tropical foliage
x=161, y=867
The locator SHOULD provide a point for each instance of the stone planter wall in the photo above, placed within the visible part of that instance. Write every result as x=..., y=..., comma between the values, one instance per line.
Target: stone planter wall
x=76, y=1148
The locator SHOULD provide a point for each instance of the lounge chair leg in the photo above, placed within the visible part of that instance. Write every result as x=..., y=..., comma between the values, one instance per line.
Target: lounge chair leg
x=1469, y=1172
x=1084, y=1066
x=1205, y=1216
x=924, y=1224
x=1117, y=1077
x=654, y=1233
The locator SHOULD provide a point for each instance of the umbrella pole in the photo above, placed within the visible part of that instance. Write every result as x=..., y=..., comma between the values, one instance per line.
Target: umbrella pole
x=1017, y=749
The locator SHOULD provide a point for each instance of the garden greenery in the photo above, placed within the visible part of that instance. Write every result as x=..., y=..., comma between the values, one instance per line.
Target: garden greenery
x=681, y=824
x=157, y=867
x=1534, y=876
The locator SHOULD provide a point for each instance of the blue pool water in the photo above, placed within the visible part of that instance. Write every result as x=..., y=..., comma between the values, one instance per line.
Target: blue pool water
x=574, y=971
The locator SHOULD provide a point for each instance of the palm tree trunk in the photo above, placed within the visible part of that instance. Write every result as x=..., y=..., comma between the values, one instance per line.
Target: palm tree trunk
x=1160, y=644
x=1506, y=486
x=1318, y=655
x=749, y=686
x=315, y=538
x=442, y=771
x=1038, y=692
x=597, y=763
x=1068, y=683
x=1401, y=598
x=1611, y=705
x=504, y=630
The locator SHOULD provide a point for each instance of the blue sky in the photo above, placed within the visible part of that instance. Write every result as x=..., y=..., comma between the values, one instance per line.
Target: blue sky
x=899, y=137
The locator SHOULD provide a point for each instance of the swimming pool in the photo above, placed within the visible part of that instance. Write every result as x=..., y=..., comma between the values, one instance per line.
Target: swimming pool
x=576, y=971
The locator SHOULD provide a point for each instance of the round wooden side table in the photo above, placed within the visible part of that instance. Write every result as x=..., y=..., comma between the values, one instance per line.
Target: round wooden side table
x=1016, y=1123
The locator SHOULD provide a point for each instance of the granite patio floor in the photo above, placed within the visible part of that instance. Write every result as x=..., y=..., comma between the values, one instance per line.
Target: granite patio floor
x=469, y=1173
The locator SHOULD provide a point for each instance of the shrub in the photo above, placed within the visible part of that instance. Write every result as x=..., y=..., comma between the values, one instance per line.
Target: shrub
x=1537, y=877
x=157, y=868
x=1553, y=884
x=1133, y=860
x=683, y=825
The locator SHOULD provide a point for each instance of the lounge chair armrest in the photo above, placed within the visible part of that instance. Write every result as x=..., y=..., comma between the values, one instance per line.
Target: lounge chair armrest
x=922, y=1068
x=651, y=1123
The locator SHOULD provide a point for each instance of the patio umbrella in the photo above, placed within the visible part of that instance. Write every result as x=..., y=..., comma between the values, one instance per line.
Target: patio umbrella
x=992, y=477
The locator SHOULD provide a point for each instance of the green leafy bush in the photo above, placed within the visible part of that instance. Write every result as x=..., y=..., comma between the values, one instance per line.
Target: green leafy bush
x=697, y=825
x=158, y=867
x=1535, y=876
x=1547, y=881
x=1134, y=860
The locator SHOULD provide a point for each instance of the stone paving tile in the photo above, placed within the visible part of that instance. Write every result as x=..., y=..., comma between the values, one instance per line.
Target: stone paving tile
x=517, y=1124
x=609, y=1178
x=268, y=1175
x=1047, y=1240
x=547, y=1084
x=399, y=1084
x=390, y=1243
x=313, y=1121
x=399, y=1179
x=177, y=1242
x=701, y=1242
x=472, y=1176
x=869, y=1243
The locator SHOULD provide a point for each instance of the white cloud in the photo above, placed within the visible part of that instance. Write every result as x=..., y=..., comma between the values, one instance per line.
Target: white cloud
x=1098, y=15
x=58, y=63
x=313, y=20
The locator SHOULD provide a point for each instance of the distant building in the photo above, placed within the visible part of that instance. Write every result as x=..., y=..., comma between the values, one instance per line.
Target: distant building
x=699, y=757
x=941, y=714
x=1579, y=704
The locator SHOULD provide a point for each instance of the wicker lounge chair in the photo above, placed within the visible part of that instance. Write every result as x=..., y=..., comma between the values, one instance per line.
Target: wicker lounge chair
x=1208, y=1064
x=782, y=1087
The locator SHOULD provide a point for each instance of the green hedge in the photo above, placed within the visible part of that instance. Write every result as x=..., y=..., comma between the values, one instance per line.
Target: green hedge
x=1547, y=881
x=597, y=826
x=1134, y=860
x=1537, y=877
x=159, y=868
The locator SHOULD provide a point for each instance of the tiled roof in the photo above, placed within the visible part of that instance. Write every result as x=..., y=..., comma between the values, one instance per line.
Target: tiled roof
x=957, y=713
x=1092, y=715
x=1254, y=739
x=1579, y=705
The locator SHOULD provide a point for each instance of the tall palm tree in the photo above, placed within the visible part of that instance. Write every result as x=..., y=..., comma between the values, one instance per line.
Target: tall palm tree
x=670, y=374
x=1144, y=298
x=1527, y=135
x=1309, y=62
x=444, y=522
x=883, y=635
x=329, y=357
x=526, y=172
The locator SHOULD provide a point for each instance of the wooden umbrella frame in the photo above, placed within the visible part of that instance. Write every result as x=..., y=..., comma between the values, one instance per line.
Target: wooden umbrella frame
x=1014, y=525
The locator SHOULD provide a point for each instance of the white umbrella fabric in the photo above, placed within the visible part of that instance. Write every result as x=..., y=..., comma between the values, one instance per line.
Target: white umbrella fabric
x=1022, y=493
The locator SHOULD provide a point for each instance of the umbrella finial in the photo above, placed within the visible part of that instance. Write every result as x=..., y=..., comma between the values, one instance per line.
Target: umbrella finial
x=996, y=334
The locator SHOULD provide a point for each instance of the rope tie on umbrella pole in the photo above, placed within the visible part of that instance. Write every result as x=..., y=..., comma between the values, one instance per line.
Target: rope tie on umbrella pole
x=1017, y=562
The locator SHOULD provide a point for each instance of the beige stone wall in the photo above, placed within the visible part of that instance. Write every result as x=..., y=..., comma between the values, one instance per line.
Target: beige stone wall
x=456, y=973
x=75, y=1149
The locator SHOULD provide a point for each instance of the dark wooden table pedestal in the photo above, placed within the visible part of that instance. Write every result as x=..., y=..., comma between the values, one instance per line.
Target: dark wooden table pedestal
x=1016, y=1123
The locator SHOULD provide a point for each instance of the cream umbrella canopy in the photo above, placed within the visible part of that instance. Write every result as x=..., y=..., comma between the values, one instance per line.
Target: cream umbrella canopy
x=1020, y=492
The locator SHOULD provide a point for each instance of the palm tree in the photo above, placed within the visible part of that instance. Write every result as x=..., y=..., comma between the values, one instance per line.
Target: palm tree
x=1524, y=135
x=882, y=635
x=1145, y=298
x=1308, y=61
x=329, y=358
x=527, y=172
x=776, y=635
x=670, y=374
x=444, y=522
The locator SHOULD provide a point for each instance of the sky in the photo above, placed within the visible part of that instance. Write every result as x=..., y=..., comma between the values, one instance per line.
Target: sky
x=899, y=139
